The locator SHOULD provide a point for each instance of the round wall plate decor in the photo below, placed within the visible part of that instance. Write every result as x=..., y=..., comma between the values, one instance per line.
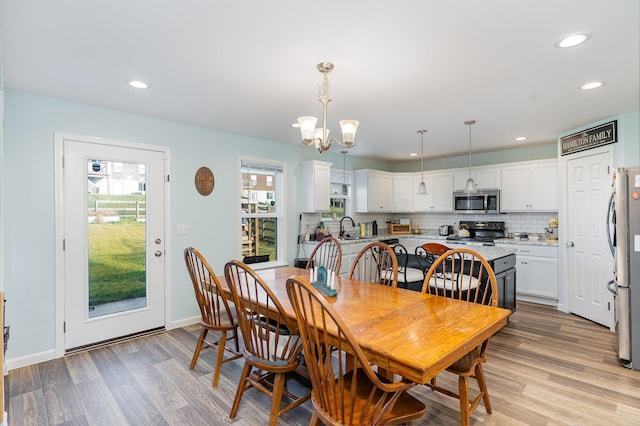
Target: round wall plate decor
x=204, y=181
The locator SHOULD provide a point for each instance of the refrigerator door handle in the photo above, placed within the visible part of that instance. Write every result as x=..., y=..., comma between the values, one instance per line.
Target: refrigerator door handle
x=611, y=220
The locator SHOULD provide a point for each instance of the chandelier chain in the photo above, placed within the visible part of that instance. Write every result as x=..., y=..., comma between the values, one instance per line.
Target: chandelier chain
x=323, y=90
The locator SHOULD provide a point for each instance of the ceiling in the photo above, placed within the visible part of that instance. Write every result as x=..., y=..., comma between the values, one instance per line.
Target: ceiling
x=249, y=66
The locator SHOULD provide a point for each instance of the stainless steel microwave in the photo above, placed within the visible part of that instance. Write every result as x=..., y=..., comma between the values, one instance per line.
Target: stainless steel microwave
x=484, y=201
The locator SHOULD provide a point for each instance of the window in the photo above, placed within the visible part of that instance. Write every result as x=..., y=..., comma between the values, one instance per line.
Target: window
x=262, y=211
x=339, y=203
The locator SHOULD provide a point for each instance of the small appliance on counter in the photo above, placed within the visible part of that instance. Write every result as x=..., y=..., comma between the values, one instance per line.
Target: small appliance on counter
x=445, y=230
x=402, y=226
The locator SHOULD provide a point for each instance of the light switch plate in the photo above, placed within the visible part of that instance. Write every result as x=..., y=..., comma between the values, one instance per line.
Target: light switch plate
x=636, y=243
x=183, y=229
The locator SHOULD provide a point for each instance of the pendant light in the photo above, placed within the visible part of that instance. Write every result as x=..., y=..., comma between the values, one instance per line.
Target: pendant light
x=471, y=185
x=345, y=185
x=422, y=188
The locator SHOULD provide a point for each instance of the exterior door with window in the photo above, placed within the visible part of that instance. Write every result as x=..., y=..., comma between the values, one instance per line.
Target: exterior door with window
x=114, y=266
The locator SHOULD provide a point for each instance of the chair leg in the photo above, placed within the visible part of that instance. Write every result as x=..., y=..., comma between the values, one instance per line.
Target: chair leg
x=235, y=338
x=196, y=353
x=221, y=346
x=276, y=397
x=483, y=387
x=463, y=389
x=242, y=386
x=315, y=420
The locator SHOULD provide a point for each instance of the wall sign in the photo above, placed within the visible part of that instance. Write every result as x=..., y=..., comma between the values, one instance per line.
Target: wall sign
x=204, y=181
x=603, y=134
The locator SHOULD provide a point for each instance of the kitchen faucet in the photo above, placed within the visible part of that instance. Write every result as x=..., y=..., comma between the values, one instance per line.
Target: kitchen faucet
x=342, y=227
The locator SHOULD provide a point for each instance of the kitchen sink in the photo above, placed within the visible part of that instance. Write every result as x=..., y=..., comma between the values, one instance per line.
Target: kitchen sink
x=350, y=238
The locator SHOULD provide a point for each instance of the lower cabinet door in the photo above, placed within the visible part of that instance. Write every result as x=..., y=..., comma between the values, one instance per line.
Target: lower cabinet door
x=507, y=289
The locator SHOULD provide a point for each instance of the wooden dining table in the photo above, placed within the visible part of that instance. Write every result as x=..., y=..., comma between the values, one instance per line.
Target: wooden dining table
x=404, y=332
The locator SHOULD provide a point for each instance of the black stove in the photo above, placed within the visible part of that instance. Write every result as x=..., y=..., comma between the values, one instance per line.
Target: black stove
x=481, y=233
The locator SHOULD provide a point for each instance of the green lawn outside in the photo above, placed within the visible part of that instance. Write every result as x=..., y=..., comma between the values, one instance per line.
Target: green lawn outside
x=116, y=261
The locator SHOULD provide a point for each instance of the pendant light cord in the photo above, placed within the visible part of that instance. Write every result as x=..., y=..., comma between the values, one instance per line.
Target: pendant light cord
x=470, y=123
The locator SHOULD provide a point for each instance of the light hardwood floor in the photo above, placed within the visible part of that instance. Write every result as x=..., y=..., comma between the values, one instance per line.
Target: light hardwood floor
x=544, y=368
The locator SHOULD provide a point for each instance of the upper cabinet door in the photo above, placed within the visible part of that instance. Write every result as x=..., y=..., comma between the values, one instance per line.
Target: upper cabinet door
x=373, y=191
x=316, y=186
x=488, y=177
x=530, y=186
x=403, y=192
x=543, y=188
x=515, y=188
x=442, y=198
x=439, y=196
x=484, y=177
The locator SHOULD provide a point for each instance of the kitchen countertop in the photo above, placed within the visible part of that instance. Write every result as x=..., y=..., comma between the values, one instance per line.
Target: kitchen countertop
x=488, y=252
x=518, y=242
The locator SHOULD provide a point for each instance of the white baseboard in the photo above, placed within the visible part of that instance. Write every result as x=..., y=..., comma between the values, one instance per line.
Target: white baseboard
x=31, y=359
x=183, y=322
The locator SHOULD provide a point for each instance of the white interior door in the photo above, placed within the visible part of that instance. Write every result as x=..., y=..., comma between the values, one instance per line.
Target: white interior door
x=590, y=263
x=114, y=279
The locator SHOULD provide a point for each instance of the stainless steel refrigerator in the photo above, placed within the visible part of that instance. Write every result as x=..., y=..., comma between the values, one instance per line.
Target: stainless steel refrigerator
x=624, y=218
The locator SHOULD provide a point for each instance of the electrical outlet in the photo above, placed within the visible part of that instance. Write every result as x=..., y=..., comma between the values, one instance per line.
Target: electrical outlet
x=183, y=229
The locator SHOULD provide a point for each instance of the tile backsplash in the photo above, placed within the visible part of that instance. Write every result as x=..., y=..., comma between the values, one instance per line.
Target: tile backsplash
x=530, y=222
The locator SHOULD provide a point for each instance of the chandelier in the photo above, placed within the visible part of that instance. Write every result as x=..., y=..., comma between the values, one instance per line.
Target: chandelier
x=320, y=136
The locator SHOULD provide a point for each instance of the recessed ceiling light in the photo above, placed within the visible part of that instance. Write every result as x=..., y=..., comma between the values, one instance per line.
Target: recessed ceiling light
x=413, y=154
x=138, y=84
x=572, y=40
x=592, y=85
x=521, y=138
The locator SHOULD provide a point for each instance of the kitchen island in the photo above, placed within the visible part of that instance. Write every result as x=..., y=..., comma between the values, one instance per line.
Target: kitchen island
x=501, y=258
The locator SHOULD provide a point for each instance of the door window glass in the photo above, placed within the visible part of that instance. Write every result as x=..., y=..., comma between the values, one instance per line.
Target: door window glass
x=116, y=211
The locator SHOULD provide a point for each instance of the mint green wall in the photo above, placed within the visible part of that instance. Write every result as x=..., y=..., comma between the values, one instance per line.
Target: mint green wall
x=536, y=152
x=28, y=200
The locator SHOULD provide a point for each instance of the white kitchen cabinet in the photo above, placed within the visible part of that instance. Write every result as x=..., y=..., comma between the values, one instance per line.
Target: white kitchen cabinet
x=484, y=177
x=439, y=192
x=530, y=186
x=316, y=186
x=537, y=274
x=349, y=254
x=373, y=191
x=488, y=177
x=403, y=192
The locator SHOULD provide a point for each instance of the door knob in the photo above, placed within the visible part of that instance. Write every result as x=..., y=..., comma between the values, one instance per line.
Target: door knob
x=569, y=244
x=158, y=253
